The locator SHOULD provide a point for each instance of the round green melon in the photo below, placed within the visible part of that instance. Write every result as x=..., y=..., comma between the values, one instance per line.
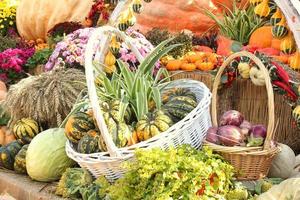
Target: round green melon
x=46, y=158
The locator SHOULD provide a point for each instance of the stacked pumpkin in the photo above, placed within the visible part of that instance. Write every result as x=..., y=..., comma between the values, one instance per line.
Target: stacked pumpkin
x=204, y=61
x=277, y=36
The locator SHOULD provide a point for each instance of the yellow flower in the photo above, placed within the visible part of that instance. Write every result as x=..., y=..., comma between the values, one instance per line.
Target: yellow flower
x=11, y=23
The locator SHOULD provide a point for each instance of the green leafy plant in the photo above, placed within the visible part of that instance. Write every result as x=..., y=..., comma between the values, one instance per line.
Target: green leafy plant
x=237, y=24
x=182, y=173
x=137, y=88
x=39, y=58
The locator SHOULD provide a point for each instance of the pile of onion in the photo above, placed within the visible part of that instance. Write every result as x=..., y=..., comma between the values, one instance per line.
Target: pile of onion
x=234, y=130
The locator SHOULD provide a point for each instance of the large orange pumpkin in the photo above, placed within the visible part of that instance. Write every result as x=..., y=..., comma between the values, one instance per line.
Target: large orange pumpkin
x=36, y=17
x=177, y=15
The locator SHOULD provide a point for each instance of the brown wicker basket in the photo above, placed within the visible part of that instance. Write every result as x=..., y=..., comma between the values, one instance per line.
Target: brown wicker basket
x=251, y=163
x=243, y=94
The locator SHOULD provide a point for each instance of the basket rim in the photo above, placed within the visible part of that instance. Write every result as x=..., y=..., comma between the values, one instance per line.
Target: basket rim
x=127, y=152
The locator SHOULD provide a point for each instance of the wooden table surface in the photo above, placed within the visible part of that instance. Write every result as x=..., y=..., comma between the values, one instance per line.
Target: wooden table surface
x=21, y=187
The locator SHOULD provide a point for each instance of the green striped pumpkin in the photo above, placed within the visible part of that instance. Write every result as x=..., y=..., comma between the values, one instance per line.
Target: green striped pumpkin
x=276, y=17
x=175, y=92
x=26, y=129
x=89, y=143
x=8, y=154
x=179, y=107
x=20, y=160
x=280, y=30
x=78, y=125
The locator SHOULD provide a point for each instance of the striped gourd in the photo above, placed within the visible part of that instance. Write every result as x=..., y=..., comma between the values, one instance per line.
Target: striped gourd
x=26, y=129
x=8, y=154
x=89, y=143
x=20, y=160
x=137, y=6
x=280, y=30
x=288, y=44
x=296, y=115
x=276, y=17
x=255, y=2
x=178, y=107
x=78, y=125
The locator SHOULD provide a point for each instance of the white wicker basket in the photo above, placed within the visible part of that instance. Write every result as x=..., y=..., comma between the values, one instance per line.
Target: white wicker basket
x=191, y=130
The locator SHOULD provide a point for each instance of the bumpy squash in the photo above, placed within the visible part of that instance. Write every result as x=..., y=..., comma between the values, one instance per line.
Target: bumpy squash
x=78, y=125
x=152, y=124
x=175, y=92
x=263, y=9
x=26, y=129
x=288, y=44
x=280, y=29
x=175, y=15
x=178, y=107
x=20, y=160
x=257, y=77
x=36, y=17
x=116, y=125
x=8, y=154
x=294, y=61
x=89, y=143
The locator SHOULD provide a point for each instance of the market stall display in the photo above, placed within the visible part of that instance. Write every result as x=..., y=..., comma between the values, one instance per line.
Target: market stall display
x=110, y=99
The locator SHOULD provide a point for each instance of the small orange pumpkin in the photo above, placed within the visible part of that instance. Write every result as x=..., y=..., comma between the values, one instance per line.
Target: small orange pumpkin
x=262, y=37
x=174, y=65
x=133, y=139
x=188, y=67
x=193, y=58
x=204, y=66
x=276, y=43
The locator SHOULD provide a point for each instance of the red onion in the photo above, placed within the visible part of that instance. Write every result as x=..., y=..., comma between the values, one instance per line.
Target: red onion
x=212, y=135
x=231, y=117
x=258, y=133
x=231, y=135
x=245, y=127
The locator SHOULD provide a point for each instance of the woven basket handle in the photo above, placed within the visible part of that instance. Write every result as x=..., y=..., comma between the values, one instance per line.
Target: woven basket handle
x=217, y=81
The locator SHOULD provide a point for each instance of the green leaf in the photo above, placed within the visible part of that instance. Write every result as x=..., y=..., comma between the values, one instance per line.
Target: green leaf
x=157, y=97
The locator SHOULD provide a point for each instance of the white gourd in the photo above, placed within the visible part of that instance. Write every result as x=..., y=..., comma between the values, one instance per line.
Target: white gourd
x=257, y=77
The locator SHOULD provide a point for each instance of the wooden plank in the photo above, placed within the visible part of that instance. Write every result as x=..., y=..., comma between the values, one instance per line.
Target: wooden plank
x=21, y=187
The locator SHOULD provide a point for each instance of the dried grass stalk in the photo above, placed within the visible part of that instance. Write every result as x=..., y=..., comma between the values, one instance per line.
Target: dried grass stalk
x=47, y=98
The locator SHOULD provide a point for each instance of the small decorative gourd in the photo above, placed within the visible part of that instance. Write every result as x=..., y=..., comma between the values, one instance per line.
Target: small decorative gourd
x=110, y=61
x=255, y=2
x=26, y=129
x=137, y=6
x=152, y=125
x=114, y=45
x=89, y=143
x=263, y=9
x=296, y=114
x=244, y=70
x=294, y=61
x=20, y=160
x=78, y=125
x=288, y=44
x=276, y=17
x=280, y=30
x=257, y=77
x=8, y=154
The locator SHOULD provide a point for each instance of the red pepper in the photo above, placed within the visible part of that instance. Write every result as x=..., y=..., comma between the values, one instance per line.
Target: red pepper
x=281, y=73
x=286, y=88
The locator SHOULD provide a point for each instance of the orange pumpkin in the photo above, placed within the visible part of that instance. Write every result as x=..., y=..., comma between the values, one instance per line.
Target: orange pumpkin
x=276, y=43
x=193, y=58
x=176, y=15
x=262, y=37
x=284, y=58
x=36, y=17
x=6, y=136
x=174, y=65
x=188, y=67
x=205, y=66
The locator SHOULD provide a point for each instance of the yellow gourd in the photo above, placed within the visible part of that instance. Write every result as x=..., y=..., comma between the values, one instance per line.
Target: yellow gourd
x=244, y=70
x=255, y=2
x=294, y=61
x=263, y=9
x=114, y=45
x=276, y=17
x=257, y=77
x=110, y=61
x=288, y=44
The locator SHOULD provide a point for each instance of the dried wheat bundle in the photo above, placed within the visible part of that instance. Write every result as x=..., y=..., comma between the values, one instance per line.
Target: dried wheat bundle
x=47, y=98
